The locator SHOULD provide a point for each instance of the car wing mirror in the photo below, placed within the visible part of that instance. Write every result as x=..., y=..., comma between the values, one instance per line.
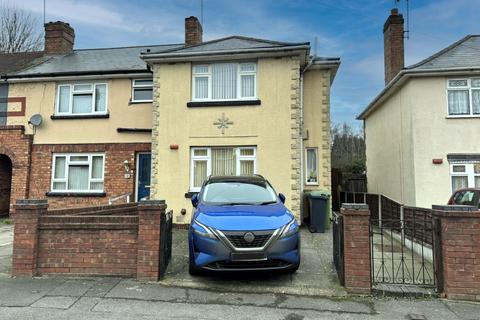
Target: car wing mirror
x=282, y=198
x=195, y=200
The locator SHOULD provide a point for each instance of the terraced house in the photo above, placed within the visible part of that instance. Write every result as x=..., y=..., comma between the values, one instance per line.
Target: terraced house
x=155, y=121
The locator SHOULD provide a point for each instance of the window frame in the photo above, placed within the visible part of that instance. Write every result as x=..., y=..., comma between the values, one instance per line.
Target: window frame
x=315, y=149
x=208, y=158
x=140, y=86
x=468, y=88
x=469, y=173
x=208, y=74
x=80, y=92
x=68, y=162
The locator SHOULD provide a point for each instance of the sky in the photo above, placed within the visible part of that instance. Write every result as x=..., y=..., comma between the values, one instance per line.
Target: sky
x=349, y=29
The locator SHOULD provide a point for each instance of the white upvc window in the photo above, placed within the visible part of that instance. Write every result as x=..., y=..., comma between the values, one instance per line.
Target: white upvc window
x=465, y=175
x=82, y=99
x=142, y=90
x=224, y=81
x=78, y=172
x=463, y=97
x=311, y=168
x=221, y=161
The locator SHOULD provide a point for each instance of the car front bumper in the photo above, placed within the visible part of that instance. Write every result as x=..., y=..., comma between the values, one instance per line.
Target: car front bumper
x=221, y=255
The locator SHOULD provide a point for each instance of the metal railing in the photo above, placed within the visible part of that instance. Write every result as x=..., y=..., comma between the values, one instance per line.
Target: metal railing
x=125, y=196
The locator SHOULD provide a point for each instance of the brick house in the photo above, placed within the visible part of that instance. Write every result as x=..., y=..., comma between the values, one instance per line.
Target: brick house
x=421, y=129
x=156, y=120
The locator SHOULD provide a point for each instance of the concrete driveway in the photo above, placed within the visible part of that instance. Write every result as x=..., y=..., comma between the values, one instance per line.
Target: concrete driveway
x=316, y=275
x=6, y=238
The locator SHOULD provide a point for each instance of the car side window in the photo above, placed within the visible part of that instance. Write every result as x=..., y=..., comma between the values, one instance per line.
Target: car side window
x=466, y=198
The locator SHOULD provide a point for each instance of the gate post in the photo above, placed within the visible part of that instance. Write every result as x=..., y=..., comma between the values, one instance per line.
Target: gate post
x=356, y=232
x=148, y=250
x=25, y=240
x=459, y=252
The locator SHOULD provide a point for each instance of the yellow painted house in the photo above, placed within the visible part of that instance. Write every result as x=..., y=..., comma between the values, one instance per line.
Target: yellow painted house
x=158, y=120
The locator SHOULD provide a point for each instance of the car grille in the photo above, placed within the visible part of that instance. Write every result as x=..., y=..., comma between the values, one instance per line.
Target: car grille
x=268, y=264
x=237, y=239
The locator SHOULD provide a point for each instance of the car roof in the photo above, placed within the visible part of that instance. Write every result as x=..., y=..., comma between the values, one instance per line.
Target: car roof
x=246, y=179
x=468, y=189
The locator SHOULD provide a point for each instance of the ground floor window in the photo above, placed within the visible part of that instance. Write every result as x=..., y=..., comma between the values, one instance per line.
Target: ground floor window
x=78, y=172
x=465, y=175
x=229, y=161
x=311, y=172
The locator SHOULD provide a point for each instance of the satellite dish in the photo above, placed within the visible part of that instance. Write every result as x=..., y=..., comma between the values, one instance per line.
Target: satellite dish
x=36, y=120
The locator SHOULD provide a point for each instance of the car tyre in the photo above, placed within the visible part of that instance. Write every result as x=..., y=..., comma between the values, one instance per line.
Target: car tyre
x=192, y=269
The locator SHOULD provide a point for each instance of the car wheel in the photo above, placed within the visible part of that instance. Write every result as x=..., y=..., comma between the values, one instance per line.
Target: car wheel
x=294, y=268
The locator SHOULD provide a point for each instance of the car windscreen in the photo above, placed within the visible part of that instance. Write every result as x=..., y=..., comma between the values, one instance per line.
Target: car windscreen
x=238, y=193
x=466, y=197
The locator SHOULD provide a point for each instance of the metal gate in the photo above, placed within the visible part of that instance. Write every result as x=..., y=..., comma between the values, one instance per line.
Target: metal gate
x=337, y=227
x=402, y=249
x=166, y=228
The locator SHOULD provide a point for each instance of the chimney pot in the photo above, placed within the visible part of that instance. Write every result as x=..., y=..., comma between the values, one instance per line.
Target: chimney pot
x=59, y=38
x=393, y=45
x=193, y=31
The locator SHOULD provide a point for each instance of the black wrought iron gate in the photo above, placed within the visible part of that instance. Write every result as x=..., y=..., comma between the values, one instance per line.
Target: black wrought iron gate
x=402, y=249
x=337, y=226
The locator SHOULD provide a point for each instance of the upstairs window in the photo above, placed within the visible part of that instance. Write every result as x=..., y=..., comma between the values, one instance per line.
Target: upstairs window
x=224, y=81
x=142, y=90
x=82, y=99
x=463, y=97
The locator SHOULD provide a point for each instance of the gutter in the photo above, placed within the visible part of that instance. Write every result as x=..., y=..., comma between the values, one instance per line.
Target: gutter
x=406, y=74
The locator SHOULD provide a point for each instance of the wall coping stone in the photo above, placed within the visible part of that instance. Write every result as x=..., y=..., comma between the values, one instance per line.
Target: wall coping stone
x=151, y=203
x=355, y=206
x=457, y=214
x=24, y=202
x=454, y=208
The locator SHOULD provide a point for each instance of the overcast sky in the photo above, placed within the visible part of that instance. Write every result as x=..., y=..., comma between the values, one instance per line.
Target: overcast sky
x=349, y=29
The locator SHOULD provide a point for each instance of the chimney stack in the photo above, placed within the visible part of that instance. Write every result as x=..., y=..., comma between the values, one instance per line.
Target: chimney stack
x=193, y=31
x=59, y=38
x=393, y=45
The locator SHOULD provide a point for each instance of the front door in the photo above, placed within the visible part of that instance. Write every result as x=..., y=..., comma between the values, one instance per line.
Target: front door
x=143, y=175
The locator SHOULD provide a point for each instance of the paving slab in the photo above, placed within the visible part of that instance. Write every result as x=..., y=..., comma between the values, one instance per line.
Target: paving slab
x=464, y=310
x=57, y=302
x=6, y=247
x=322, y=304
x=400, y=308
x=73, y=287
x=25, y=291
x=132, y=289
x=231, y=298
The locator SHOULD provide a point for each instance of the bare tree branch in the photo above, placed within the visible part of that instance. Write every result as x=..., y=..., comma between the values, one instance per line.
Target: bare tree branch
x=18, y=30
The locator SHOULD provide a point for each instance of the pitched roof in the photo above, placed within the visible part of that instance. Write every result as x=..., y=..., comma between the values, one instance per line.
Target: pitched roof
x=464, y=53
x=92, y=61
x=10, y=62
x=231, y=43
x=461, y=56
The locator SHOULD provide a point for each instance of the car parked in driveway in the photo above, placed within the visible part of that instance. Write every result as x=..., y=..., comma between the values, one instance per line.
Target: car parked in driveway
x=241, y=224
x=466, y=197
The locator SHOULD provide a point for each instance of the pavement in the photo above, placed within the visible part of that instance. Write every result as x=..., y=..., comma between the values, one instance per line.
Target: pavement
x=179, y=296
x=6, y=236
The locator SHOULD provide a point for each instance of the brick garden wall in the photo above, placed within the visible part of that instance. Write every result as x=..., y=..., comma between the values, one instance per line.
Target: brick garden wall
x=115, y=181
x=119, y=240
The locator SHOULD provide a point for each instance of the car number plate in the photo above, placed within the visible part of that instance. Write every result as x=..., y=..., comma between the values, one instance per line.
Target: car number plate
x=248, y=256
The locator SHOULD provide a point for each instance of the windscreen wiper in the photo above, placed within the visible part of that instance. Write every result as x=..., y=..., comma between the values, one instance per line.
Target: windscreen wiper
x=267, y=202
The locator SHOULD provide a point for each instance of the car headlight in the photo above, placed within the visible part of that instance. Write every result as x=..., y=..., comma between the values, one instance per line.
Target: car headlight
x=290, y=229
x=202, y=230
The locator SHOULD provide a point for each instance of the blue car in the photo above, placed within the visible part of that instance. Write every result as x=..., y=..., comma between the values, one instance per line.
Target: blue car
x=241, y=224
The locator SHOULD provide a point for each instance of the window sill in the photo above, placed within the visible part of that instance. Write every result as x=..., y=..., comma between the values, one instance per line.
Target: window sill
x=190, y=194
x=75, y=194
x=140, y=102
x=226, y=103
x=83, y=116
x=463, y=117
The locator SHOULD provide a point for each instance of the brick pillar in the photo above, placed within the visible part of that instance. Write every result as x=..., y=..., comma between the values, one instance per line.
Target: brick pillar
x=356, y=229
x=148, y=252
x=459, y=252
x=25, y=239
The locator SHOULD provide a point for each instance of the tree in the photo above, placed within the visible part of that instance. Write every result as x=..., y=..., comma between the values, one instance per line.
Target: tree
x=18, y=30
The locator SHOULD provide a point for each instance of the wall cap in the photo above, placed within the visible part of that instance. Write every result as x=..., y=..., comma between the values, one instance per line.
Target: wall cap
x=454, y=208
x=24, y=202
x=151, y=203
x=355, y=206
